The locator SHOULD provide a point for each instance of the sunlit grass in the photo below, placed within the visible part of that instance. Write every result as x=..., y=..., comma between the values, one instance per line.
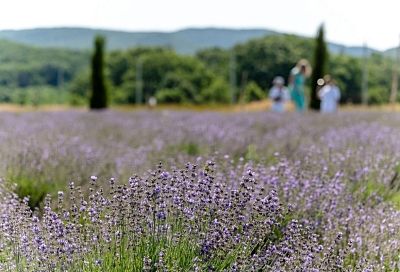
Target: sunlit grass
x=264, y=105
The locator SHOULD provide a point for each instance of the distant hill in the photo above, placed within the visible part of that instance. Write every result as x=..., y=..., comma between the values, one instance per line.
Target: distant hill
x=186, y=41
x=391, y=52
x=355, y=51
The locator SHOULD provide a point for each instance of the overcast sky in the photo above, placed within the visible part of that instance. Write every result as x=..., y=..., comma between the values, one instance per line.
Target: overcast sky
x=351, y=22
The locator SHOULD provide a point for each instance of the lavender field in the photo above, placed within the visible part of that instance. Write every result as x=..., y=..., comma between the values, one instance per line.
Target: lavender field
x=199, y=191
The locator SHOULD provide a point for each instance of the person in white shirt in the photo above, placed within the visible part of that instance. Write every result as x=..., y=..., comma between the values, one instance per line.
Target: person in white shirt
x=279, y=94
x=329, y=95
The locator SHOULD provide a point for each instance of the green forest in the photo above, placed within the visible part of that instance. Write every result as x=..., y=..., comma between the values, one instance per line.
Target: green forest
x=243, y=73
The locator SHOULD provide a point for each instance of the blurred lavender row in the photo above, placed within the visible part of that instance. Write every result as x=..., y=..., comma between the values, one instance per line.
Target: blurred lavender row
x=233, y=192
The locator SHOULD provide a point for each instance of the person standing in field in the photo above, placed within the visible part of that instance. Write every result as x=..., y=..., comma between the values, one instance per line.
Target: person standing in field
x=297, y=79
x=329, y=95
x=279, y=94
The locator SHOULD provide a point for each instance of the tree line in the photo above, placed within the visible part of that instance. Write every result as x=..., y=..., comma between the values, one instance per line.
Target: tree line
x=241, y=74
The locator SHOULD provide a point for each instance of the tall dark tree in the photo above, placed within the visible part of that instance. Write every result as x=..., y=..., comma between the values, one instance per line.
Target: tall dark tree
x=320, y=62
x=99, y=97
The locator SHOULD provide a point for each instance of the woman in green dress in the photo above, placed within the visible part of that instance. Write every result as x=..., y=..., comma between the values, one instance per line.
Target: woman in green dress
x=297, y=79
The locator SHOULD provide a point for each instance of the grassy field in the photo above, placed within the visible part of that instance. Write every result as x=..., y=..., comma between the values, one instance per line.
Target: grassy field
x=234, y=188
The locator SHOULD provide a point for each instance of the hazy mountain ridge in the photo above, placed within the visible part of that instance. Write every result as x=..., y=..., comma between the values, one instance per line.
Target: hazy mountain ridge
x=186, y=41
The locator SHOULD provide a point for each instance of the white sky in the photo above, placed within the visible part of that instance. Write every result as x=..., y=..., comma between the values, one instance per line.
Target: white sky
x=351, y=22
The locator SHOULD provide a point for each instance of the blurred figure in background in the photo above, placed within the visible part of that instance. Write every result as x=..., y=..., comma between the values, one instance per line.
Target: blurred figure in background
x=329, y=95
x=152, y=102
x=279, y=94
x=297, y=79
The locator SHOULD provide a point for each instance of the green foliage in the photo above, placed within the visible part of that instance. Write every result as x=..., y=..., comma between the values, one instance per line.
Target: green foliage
x=367, y=189
x=251, y=153
x=217, y=92
x=35, y=190
x=395, y=199
x=79, y=88
x=379, y=79
x=373, y=188
x=260, y=60
x=347, y=72
x=167, y=96
x=162, y=71
x=24, y=66
x=181, y=82
x=191, y=149
x=252, y=92
x=320, y=63
x=216, y=59
x=34, y=76
x=99, y=97
x=378, y=96
x=121, y=95
x=174, y=78
x=178, y=254
x=33, y=95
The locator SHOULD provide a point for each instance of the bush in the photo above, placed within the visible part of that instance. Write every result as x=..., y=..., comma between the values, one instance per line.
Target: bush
x=181, y=82
x=252, y=92
x=217, y=92
x=34, y=95
x=122, y=95
x=377, y=96
x=170, y=96
x=79, y=88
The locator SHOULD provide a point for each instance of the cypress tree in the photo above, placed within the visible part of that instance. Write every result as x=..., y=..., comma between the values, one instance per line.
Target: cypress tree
x=320, y=62
x=99, y=98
